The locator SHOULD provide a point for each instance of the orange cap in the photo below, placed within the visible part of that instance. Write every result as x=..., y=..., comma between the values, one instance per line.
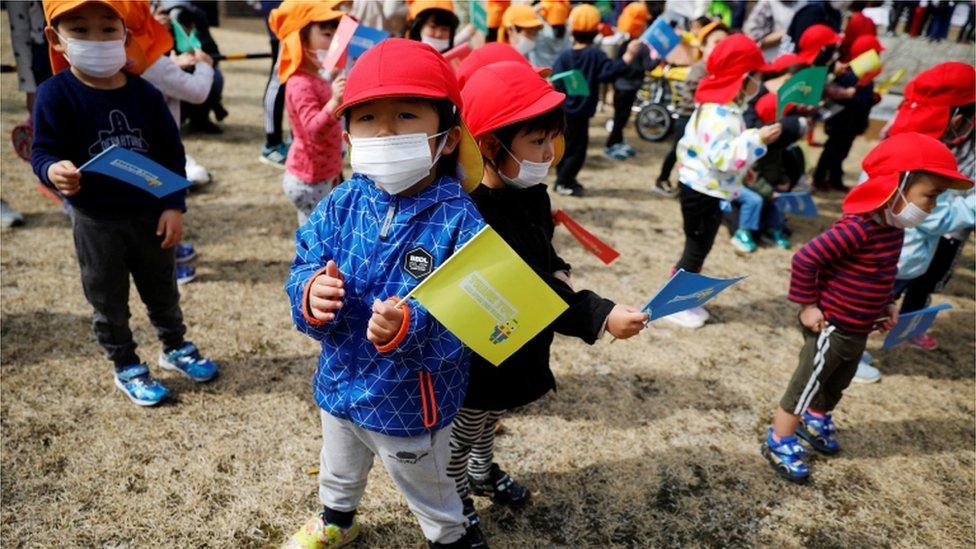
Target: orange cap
x=287, y=22
x=633, y=19
x=585, y=18
x=518, y=15
x=56, y=8
x=555, y=12
x=151, y=38
x=494, y=10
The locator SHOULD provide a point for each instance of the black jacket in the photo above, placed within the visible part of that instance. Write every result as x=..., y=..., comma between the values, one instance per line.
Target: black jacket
x=523, y=218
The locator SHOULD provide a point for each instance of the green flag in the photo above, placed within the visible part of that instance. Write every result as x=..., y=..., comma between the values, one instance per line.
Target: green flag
x=573, y=81
x=479, y=17
x=803, y=88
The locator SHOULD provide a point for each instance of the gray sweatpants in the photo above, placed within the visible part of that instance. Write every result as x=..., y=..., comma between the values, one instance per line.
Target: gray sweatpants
x=108, y=252
x=417, y=465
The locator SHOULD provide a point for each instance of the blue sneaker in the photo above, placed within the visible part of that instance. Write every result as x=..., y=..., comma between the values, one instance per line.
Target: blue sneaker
x=274, y=156
x=134, y=380
x=627, y=149
x=819, y=432
x=185, y=253
x=742, y=240
x=786, y=457
x=615, y=152
x=780, y=238
x=185, y=273
x=187, y=360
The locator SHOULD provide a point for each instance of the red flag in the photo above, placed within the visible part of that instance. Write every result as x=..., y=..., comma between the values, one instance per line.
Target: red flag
x=339, y=48
x=594, y=245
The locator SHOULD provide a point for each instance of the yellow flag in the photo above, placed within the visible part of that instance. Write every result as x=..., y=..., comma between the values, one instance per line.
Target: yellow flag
x=868, y=61
x=489, y=298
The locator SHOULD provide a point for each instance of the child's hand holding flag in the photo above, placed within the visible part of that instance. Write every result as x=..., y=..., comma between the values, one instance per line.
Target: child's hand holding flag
x=326, y=293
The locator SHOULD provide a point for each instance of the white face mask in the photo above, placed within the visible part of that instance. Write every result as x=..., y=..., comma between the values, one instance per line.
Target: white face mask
x=397, y=162
x=525, y=45
x=439, y=44
x=910, y=215
x=96, y=58
x=529, y=174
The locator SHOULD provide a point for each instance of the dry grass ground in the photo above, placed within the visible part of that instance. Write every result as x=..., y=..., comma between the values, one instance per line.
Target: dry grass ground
x=649, y=442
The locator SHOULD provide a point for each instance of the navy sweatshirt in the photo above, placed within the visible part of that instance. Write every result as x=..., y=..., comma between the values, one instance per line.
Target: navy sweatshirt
x=75, y=122
x=596, y=68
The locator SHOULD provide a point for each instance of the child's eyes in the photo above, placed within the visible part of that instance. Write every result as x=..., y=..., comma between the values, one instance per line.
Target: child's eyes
x=79, y=30
x=109, y=30
x=365, y=118
x=407, y=115
x=539, y=141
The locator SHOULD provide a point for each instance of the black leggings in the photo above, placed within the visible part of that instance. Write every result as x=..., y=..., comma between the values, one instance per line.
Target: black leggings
x=830, y=167
x=623, y=101
x=702, y=217
x=919, y=289
x=577, y=137
x=274, y=100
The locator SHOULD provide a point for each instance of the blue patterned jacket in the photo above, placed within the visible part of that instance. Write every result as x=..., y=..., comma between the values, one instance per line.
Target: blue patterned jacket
x=384, y=245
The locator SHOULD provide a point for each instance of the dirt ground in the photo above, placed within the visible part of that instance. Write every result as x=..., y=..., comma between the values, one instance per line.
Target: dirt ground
x=649, y=442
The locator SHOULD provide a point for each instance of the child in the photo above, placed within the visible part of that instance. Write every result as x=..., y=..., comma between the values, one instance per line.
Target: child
x=515, y=116
x=433, y=22
x=596, y=68
x=708, y=37
x=390, y=379
x=846, y=125
x=632, y=21
x=314, y=165
x=843, y=282
x=118, y=229
x=552, y=39
x=520, y=26
x=716, y=152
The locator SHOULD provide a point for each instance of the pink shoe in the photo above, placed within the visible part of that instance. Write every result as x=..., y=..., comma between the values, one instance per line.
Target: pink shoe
x=925, y=341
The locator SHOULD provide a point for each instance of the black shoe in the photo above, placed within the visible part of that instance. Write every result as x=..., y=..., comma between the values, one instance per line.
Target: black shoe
x=474, y=534
x=220, y=113
x=205, y=126
x=573, y=189
x=500, y=487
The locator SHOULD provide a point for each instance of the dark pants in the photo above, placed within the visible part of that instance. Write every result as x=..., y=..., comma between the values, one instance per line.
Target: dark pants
x=274, y=99
x=672, y=157
x=198, y=114
x=577, y=137
x=918, y=290
x=830, y=166
x=623, y=101
x=108, y=251
x=828, y=362
x=897, y=9
x=702, y=216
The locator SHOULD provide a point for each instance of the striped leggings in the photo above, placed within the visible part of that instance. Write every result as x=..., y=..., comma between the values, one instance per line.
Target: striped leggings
x=472, y=446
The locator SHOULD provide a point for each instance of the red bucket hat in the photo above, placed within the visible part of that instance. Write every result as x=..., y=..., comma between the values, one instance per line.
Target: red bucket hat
x=814, y=39
x=493, y=52
x=930, y=96
x=397, y=67
x=730, y=61
x=783, y=62
x=507, y=92
x=885, y=164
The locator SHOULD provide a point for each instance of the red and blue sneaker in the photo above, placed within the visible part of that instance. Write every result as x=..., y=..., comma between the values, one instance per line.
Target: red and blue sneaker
x=819, y=432
x=786, y=457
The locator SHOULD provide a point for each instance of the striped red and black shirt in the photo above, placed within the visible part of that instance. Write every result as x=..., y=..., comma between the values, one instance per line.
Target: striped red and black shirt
x=848, y=272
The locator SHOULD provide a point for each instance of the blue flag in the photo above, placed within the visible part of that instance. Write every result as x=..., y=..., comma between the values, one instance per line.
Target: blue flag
x=797, y=203
x=683, y=291
x=365, y=38
x=912, y=324
x=661, y=37
x=136, y=170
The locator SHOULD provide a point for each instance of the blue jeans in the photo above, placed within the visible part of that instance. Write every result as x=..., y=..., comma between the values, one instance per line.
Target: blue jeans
x=751, y=211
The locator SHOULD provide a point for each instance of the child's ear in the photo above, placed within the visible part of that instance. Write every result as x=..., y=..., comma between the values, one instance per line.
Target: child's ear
x=345, y=137
x=488, y=145
x=53, y=40
x=453, y=138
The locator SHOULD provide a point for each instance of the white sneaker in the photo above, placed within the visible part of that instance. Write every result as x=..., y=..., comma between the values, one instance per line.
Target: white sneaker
x=865, y=372
x=700, y=312
x=687, y=318
x=8, y=216
x=197, y=174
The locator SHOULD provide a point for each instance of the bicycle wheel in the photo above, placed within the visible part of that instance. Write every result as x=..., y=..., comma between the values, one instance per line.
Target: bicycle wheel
x=653, y=122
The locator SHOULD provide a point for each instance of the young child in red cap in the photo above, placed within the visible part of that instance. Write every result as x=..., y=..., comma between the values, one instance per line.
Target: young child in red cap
x=516, y=117
x=716, y=152
x=390, y=378
x=314, y=164
x=843, y=281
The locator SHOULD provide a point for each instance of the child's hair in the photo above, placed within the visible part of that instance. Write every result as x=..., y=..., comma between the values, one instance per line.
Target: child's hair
x=551, y=122
x=559, y=31
x=448, y=116
x=441, y=18
x=326, y=25
x=584, y=37
x=702, y=21
x=57, y=20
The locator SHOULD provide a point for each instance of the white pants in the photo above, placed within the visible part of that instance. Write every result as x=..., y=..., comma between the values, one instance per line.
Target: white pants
x=417, y=465
x=304, y=196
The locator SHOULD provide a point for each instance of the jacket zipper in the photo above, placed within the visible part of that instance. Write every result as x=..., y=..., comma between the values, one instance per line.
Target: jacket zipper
x=388, y=220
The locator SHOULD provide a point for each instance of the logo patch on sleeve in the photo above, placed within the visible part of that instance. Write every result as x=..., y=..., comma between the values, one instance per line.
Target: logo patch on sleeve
x=418, y=263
